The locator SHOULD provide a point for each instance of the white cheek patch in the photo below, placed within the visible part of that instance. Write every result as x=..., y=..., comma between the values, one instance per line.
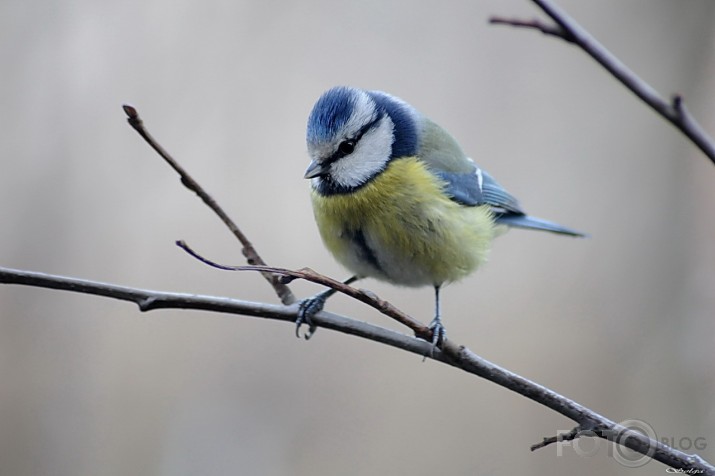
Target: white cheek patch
x=369, y=158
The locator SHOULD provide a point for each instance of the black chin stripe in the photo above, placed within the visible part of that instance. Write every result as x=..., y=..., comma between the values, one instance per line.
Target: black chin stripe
x=326, y=186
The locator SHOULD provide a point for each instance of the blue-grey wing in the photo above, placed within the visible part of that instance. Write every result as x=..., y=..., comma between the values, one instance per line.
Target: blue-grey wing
x=463, y=188
x=468, y=185
x=496, y=196
x=480, y=188
x=476, y=188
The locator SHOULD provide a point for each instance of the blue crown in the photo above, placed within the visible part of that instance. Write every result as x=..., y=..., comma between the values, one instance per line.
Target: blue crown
x=330, y=114
x=335, y=107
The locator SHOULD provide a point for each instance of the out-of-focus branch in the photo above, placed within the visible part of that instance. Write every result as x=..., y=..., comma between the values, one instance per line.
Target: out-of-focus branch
x=568, y=29
x=589, y=423
x=249, y=251
x=535, y=24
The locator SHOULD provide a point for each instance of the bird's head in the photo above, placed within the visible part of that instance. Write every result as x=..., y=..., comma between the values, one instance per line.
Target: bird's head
x=353, y=134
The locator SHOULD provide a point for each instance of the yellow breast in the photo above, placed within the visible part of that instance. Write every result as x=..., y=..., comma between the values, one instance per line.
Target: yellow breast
x=402, y=228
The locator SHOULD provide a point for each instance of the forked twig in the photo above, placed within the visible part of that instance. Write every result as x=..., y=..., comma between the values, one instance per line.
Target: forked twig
x=568, y=29
x=451, y=354
x=362, y=295
x=249, y=251
x=535, y=24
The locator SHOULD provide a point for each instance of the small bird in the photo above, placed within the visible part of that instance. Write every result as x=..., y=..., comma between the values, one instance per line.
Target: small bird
x=395, y=198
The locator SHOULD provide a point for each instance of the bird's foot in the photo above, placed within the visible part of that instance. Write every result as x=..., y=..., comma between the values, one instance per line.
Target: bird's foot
x=307, y=308
x=439, y=333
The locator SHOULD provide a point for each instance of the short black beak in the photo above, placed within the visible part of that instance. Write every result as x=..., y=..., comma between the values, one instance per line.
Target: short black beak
x=315, y=169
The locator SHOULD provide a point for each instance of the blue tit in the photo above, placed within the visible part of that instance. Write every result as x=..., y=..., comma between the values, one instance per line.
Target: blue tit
x=395, y=198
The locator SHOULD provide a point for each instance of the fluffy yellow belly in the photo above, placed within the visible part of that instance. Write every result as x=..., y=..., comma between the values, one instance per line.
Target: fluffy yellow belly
x=401, y=228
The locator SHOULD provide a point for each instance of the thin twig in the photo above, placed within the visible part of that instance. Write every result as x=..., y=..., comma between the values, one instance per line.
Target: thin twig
x=568, y=29
x=590, y=423
x=571, y=435
x=451, y=354
x=536, y=24
x=368, y=297
x=249, y=251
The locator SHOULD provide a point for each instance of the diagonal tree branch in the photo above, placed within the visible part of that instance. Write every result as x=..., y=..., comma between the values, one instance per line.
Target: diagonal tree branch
x=249, y=251
x=589, y=423
x=568, y=29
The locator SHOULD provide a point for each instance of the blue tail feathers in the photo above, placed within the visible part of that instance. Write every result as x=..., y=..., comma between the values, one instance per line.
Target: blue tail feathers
x=518, y=220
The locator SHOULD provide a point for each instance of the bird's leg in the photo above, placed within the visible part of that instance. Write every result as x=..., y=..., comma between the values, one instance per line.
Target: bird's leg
x=309, y=307
x=438, y=331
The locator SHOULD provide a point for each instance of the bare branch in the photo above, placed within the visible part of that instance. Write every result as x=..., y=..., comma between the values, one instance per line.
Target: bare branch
x=589, y=422
x=282, y=290
x=536, y=24
x=362, y=295
x=571, y=435
x=568, y=29
x=150, y=300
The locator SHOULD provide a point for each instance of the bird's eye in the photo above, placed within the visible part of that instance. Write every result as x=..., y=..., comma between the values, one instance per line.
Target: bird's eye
x=346, y=147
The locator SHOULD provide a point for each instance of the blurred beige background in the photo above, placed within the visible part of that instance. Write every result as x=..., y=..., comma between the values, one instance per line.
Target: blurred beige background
x=622, y=322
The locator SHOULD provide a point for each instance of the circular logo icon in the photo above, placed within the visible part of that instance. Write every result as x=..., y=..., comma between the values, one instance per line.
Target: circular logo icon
x=626, y=456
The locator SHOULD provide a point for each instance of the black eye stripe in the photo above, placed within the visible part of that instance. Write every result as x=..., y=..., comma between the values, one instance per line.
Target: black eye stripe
x=367, y=127
x=342, y=151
